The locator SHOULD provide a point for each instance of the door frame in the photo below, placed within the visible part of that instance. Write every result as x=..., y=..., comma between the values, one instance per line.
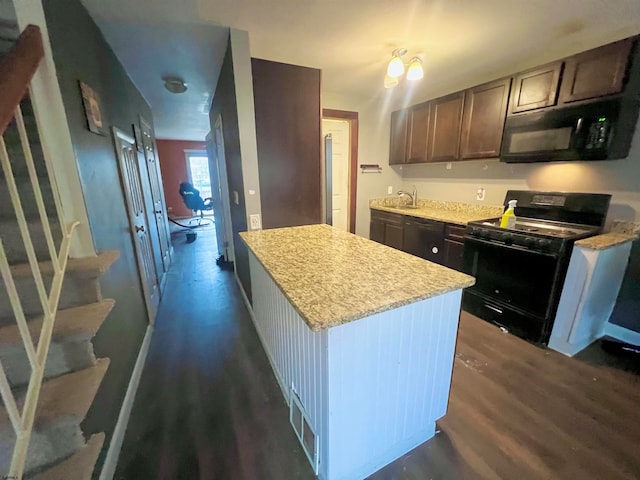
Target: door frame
x=352, y=118
x=225, y=197
x=166, y=248
x=119, y=135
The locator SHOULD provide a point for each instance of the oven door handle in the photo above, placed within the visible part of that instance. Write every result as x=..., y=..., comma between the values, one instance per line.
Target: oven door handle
x=509, y=247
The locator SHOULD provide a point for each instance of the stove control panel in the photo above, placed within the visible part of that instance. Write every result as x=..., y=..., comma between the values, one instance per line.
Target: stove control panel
x=516, y=239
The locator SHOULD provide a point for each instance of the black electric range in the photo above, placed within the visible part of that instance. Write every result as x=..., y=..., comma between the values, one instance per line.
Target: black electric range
x=520, y=271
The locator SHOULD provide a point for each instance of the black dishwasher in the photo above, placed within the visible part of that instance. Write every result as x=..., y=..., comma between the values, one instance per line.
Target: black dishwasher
x=424, y=238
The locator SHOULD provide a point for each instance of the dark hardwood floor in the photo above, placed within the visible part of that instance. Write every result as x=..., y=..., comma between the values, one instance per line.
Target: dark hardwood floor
x=209, y=407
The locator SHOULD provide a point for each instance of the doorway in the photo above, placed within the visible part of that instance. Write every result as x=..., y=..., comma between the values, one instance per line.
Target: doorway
x=343, y=128
x=199, y=174
x=220, y=187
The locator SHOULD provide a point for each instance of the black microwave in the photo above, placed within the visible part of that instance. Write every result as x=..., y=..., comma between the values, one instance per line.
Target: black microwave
x=601, y=130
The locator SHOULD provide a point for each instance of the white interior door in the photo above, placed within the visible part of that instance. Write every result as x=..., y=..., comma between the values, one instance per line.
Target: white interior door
x=157, y=195
x=216, y=195
x=132, y=186
x=341, y=148
x=220, y=193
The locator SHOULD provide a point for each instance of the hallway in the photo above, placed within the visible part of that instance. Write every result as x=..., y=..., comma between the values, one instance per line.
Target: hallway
x=208, y=405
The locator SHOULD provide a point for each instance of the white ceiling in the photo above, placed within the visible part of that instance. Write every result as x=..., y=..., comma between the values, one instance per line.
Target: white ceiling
x=191, y=52
x=462, y=42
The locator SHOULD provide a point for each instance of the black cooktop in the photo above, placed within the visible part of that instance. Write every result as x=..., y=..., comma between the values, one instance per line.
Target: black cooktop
x=542, y=227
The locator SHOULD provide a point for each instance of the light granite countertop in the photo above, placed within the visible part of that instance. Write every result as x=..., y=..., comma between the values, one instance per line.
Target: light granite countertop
x=605, y=240
x=450, y=212
x=333, y=277
x=621, y=232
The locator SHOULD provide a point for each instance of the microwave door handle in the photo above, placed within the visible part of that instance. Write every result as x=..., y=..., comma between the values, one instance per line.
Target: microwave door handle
x=579, y=125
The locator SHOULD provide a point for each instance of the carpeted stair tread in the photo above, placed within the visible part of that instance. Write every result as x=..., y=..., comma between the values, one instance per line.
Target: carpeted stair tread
x=87, y=267
x=68, y=395
x=73, y=324
x=63, y=405
x=77, y=467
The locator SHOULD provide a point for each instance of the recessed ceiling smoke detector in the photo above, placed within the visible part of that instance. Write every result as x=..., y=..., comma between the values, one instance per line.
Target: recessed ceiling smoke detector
x=175, y=84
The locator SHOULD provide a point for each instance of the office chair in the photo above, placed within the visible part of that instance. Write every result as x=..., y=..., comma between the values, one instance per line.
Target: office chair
x=192, y=199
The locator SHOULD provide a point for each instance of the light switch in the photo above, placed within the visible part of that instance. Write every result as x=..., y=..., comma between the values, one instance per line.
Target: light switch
x=390, y=190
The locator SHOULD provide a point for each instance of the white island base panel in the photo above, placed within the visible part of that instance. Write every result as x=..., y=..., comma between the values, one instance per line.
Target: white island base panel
x=373, y=388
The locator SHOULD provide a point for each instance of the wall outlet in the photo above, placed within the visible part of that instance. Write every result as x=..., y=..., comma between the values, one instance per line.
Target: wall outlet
x=389, y=190
x=236, y=198
x=480, y=193
x=254, y=220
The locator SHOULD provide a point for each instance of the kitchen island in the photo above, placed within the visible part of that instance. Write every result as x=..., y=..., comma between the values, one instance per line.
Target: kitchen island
x=361, y=338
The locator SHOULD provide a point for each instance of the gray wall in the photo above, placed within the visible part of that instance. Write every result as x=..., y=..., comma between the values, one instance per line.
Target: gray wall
x=225, y=104
x=81, y=53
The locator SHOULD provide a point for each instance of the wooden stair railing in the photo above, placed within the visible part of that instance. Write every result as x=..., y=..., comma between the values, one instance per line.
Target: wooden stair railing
x=17, y=70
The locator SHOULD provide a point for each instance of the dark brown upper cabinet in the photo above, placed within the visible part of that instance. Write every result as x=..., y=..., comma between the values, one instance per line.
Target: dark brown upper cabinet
x=398, y=141
x=418, y=125
x=470, y=124
x=596, y=73
x=536, y=88
x=485, y=109
x=445, y=126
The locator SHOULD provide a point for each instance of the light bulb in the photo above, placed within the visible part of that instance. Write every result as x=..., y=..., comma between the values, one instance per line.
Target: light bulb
x=415, y=71
x=396, y=67
x=390, y=82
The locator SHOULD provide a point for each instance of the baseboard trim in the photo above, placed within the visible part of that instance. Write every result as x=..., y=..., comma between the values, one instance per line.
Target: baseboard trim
x=244, y=296
x=621, y=333
x=111, y=460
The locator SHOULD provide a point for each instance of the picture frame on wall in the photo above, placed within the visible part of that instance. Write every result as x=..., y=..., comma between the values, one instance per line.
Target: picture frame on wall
x=137, y=135
x=92, y=109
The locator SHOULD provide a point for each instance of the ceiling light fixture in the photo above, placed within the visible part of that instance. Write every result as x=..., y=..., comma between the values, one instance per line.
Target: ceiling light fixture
x=175, y=84
x=415, y=71
x=396, y=68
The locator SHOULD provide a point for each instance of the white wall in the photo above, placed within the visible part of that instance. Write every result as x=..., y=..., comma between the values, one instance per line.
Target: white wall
x=620, y=178
x=373, y=147
x=246, y=120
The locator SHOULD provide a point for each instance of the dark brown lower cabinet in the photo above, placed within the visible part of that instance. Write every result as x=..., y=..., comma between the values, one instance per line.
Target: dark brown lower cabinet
x=454, y=246
x=386, y=228
x=435, y=241
x=376, y=229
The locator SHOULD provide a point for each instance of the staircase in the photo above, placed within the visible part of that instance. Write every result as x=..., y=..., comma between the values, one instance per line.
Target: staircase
x=46, y=299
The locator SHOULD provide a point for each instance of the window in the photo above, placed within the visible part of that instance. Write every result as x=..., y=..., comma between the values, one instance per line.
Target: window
x=198, y=171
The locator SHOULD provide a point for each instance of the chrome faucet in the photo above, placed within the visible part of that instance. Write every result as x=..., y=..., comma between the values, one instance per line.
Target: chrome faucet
x=413, y=196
